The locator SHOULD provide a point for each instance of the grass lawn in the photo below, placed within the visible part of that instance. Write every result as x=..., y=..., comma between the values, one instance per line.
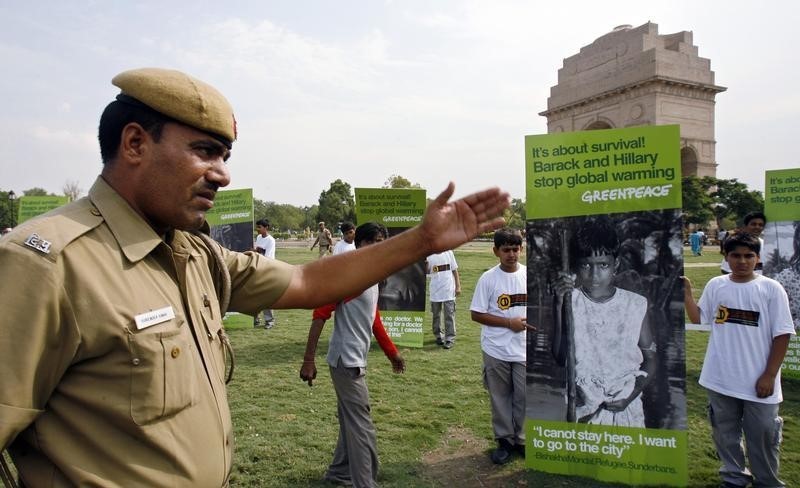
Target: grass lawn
x=433, y=422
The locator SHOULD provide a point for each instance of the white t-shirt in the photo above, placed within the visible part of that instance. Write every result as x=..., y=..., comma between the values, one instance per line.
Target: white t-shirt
x=267, y=243
x=343, y=246
x=503, y=295
x=744, y=319
x=440, y=270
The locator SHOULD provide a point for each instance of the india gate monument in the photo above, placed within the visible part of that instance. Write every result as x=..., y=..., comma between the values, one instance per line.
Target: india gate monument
x=636, y=76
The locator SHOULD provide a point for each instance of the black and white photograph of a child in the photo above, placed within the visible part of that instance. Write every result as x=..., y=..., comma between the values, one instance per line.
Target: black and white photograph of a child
x=611, y=350
x=781, y=257
x=405, y=289
x=236, y=237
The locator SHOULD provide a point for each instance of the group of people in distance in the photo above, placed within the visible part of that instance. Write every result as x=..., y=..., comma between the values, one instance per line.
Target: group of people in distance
x=115, y=355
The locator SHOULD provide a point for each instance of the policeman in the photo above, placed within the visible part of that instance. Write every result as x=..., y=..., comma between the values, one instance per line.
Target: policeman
x=113, y=350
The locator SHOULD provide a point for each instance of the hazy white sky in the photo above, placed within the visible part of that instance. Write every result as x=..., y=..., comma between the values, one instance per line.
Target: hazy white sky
x=359, y=90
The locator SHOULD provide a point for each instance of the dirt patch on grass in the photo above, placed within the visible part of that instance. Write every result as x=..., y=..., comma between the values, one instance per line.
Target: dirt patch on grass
x=462, y=460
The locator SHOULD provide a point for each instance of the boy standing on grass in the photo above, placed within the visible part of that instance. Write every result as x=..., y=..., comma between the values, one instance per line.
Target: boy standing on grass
x=750, y=328
x=265, y=245
x=355, y=460
x=500, y=306
x=445, y=287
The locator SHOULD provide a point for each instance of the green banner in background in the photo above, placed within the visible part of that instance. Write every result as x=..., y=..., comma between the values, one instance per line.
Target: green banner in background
x=782, y=195
x=602, y=171
x=402, y=295
x=392, y=207
x=30, y=207
x=781, y=248
x=231, y=219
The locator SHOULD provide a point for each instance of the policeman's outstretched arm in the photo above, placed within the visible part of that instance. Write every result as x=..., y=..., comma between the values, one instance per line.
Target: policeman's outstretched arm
x=445, y=225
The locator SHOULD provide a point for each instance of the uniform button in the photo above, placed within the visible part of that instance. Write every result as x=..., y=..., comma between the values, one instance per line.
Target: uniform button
x=95, y=212
x=176, y=351
x=135, y=361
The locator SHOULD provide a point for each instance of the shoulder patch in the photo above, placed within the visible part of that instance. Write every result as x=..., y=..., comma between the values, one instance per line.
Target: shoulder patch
x=49, y=233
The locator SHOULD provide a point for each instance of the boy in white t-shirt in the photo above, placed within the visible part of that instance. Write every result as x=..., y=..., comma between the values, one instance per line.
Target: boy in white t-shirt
x=442, y=269
x=264, y=245
x=750, y=328
x=500, y=306
x=346, y=243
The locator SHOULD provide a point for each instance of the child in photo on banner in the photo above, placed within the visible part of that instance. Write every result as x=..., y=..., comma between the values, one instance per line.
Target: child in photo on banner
x=615, y=354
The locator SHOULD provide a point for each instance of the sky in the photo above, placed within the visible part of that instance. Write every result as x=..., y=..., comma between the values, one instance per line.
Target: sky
x=360, y=90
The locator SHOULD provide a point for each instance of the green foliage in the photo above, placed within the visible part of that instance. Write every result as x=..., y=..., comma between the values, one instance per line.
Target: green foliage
x=336, y=204
x=697, y=203
x=734, y=200
x=8, y=208
x=397, y=181
x=284, y=216
x=726, y=201
x=37, y=192
x=515, y=214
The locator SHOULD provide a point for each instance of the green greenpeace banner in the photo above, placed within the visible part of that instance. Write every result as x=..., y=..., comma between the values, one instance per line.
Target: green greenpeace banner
x=30, y=207
x=606, y=389
x=602, y=171
x=616, y=454
x=231, y=219
x=782, y=195
x=402, y=295
x=781, y=252
x=392, y=207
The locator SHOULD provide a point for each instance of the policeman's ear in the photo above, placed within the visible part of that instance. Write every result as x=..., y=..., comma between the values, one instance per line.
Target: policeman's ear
x=133, y=143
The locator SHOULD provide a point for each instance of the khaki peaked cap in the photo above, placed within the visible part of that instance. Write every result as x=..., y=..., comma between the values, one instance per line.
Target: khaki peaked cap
x=181, y=97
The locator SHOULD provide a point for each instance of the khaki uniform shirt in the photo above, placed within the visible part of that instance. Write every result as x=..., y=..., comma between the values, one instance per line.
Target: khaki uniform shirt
x=111, y=348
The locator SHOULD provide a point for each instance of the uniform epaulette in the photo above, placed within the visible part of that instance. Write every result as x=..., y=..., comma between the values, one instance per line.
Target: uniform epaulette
x=48, y=234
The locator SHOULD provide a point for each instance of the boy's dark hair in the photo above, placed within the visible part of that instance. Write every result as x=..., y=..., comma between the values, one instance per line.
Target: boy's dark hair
x=741, y=239
x=346, y=226
x=263, y=223
x=507, y=237
x=116, y=116
x=369, y=232
x=595, y=235
x=754, y=215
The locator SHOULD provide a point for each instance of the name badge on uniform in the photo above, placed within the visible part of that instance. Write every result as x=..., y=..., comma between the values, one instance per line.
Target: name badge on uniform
x=153, y=317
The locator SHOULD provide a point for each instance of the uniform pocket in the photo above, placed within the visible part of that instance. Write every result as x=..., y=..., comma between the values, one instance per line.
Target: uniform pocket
x=162, y=373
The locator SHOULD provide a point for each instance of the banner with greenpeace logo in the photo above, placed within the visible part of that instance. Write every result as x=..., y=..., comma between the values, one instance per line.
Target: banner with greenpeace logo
x=402, y=295
x=603, y=171
x=781, y=251
x=231, y=222
x=606, y=380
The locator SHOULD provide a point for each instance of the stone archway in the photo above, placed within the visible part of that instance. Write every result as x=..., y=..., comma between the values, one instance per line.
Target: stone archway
x=599, y=125
x=634, y=76
x=688, y=161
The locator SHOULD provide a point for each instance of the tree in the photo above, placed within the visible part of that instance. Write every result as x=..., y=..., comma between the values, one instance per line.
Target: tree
x=733, y=199
x=697, y=202
x=710, y=198
x=336, y=204
x=37, y=192
x=515, y=214
x=7, y=210
x=397, y=181
x=72, y=190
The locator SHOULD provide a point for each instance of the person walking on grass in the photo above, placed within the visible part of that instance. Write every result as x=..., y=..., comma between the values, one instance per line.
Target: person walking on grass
x=355, y=459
